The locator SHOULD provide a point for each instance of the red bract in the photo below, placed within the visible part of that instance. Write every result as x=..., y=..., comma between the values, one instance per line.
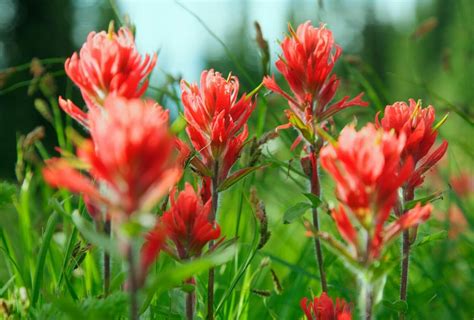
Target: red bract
x=309, y=55
x=217, y=119
x=154, y=243
x=131, y=157
x=323, y=308
x=187, y=223
x=108, y=63
x=365, y=166
x=416, y=124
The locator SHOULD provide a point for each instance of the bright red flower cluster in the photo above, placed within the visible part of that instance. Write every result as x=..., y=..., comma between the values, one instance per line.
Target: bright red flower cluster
x=416, y=124
x=187, y=223
x=309, y=55
x=131, y=158
x=365, y=166
x=107, y=64
x=217, y=119
x=323, y=308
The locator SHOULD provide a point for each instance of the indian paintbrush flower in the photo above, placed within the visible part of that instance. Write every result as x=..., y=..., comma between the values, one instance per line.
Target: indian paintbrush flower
x=308, y=59
x=217, y=119
x=417, y=124
x=323, y=308
x=187, y=223
x=107, y=64
x=365, y=166
x=131, y=158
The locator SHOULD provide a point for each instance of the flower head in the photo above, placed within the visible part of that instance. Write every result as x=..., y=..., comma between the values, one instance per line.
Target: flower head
x=217, y=119
x=187, y=223
x=365, y=166
x=416, y=124
x=309, y=56
x=323, y=308
x=131, y=158
x=107, y=64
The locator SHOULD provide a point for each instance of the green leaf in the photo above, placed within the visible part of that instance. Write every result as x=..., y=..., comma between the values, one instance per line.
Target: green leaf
x=440, y=235
x=314, y=199
x=237, y=176
x=6, y=286
x=295, y=212
x=48, y=234
x=423, y=200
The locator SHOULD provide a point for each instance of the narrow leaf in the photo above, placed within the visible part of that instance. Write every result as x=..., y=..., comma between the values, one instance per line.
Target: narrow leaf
x=440, y=235
x=237, y=176
x=423, y=200
x=48, y=234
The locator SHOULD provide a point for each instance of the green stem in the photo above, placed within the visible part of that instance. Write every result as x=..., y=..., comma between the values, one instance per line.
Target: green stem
x=133, y=285
x=212, y=218
x=190, y=296
x=405, y=263
x=366, y=299
x=316, y=190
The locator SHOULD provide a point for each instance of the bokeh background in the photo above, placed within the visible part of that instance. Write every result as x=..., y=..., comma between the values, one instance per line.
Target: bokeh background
x=392, y=49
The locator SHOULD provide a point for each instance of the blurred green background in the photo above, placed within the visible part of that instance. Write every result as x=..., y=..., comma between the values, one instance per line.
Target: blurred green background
x=393, y=50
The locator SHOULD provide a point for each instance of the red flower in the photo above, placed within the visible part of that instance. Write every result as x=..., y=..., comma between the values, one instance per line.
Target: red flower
x=187, y=223
x=131, y=157
x=154, y=243
x=217, y=119
x=309, y=55
x=365, y=166
x=323, y=308
x=416, y=123
x=108, y=63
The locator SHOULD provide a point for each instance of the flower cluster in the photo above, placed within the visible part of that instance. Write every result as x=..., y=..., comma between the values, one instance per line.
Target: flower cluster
x=131, y=159
x=323, y=308
x=365, y=166
x=309, y=56
x=107, y=64
x=187, y=223
x=217, y=119
x=416, y=124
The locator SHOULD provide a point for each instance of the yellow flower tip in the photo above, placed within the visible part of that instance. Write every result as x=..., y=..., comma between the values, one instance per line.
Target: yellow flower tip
x=111, y=30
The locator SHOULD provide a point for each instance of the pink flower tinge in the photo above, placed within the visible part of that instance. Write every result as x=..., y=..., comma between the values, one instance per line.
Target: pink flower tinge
x=463, y=184
x=107, y=64
x=187, y=223
x=323, y=308
x=217, y=119
x=309, y=56
x=131, y=158
x=365, y=166
x=416, y=124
